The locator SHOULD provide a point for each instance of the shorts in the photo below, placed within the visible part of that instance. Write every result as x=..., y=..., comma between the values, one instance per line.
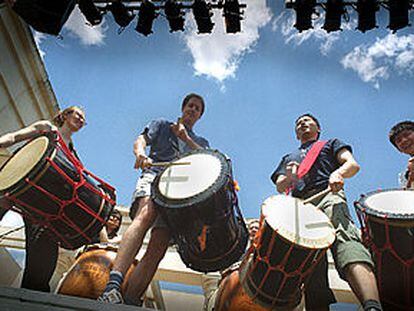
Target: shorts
x=143, y=189
x=347, y=248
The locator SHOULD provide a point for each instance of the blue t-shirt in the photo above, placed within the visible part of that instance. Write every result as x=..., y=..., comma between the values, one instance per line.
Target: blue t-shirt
x=317, y=179
x=164, y=145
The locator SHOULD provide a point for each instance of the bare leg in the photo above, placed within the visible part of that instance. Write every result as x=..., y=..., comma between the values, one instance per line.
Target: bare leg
x=133, y=237
x=146, y=268
x=362, y=280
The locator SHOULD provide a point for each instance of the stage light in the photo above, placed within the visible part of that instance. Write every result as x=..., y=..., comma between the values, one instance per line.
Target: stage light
x=304, y=10
x=334, y=11
x=367, y=10
x=90, y=11
x=175, y=15
x=399, y=16
x=202, y=14
x=46, y=16
x=122, y=15
x=232, y=16
x=146, y=17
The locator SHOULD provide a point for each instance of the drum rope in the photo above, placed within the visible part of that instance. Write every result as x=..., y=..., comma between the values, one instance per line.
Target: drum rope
x=5, y=234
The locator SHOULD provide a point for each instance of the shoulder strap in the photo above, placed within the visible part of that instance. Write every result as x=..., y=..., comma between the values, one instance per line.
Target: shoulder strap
x=309, y=160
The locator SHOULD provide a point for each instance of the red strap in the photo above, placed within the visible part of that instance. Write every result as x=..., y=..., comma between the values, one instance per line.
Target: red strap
x=309, y=160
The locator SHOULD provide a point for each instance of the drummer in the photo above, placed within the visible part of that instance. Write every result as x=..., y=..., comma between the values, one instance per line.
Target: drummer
x=167, y=140
x=402, y=137
x=41, y=249
x=334, y=163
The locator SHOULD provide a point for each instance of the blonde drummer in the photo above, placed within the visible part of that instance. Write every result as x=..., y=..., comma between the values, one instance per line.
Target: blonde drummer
x=41, y=250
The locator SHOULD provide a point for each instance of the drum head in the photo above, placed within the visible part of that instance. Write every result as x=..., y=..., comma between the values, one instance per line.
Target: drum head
x=23, y=162
x=199, y=172
x=301, y=224
x=394, y=204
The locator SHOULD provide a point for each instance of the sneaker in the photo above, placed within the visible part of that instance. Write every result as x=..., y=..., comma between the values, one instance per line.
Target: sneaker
x=113, y=296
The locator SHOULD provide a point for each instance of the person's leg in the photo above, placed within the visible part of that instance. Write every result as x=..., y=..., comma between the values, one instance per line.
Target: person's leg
x=353, y=261
x=41, y=258
x=130, y=245
x=362, y=281
x=146, y=268
x=318, y=295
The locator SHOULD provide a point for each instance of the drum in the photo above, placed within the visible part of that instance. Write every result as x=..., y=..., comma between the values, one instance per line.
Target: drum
x=232, y=297
x=89, y=274
x=293, y=237
x=387, y=220
x=197, y=199
x=47, y=184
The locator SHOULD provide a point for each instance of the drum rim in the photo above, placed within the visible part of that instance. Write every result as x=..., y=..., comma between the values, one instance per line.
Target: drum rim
x=167, y=203
x=360, y=205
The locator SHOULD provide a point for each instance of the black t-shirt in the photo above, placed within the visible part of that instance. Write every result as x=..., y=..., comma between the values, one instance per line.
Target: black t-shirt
x=317, y=179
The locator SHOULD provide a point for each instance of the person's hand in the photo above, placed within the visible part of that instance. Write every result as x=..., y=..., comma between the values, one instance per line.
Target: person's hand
x=180, y=131
x=291, y=171
x=336, y=181
x=142, y=161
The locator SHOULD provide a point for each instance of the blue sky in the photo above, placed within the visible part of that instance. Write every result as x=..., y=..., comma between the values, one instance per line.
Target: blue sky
x=255, y=84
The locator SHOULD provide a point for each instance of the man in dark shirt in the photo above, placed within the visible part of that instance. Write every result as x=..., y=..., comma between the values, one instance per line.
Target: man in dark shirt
x=402, y=137
x=167, y=141
x=334, y=163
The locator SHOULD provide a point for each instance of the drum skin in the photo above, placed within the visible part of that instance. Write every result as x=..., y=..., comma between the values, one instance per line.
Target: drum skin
x=232, y=297
x=390, y=239
x=89, y=274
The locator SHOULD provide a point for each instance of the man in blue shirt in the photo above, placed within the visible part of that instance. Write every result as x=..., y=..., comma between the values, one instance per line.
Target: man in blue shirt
x=167, y=140
x=334, y=163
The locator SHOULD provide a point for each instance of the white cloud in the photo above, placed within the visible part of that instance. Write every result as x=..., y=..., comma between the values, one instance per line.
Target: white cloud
x=375, y=62
x=218, y=55
x=11, y=219
x=285, y=22
x=78, y=27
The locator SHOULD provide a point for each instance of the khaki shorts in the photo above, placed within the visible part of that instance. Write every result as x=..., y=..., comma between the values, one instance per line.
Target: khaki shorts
x=347, y=247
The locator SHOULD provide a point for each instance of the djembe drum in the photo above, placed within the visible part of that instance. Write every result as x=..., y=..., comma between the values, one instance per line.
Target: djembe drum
x=89, y=274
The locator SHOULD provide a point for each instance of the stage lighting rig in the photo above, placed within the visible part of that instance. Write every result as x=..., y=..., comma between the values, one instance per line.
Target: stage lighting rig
x=175, y=15
x=334, y=11
x=202, y=15
x=367, y=10
x=46, y=16
x=304, y=10
x=232, y=16
x=122, y=16
x=90, y=11
x=147, y=14
x=399, y=14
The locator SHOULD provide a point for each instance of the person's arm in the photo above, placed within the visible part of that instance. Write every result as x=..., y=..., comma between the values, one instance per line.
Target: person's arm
x=348, y=168
x=28, y=132
x=180, y=131
x=141, y=159
x=283, y=181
